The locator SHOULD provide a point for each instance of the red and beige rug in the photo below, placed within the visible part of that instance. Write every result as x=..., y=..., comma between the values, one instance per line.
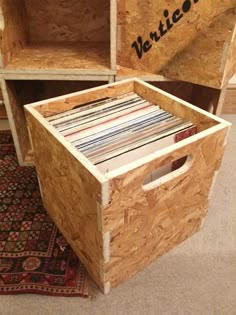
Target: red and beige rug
x=34, y=256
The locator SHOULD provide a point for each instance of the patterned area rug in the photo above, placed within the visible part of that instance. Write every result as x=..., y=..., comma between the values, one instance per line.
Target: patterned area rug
x=34, y=256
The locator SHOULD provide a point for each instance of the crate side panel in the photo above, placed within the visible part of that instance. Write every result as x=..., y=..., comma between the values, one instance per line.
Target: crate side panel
x=92, y=57
x=70, y=101
x=173, y=106
x=182, y=90
x=71, y=196
x=146, y=224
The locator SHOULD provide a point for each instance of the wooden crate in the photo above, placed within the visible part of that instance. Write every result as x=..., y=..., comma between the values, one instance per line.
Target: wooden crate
x=115, y=223
x=73, y=36
x=17, y=93
x=187, y=40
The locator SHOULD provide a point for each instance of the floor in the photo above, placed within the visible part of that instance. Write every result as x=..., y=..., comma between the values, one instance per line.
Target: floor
x=198, y=277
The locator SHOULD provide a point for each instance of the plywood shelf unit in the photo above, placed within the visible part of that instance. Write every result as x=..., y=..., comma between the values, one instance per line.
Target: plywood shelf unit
x=193, y=41
x=57, y=35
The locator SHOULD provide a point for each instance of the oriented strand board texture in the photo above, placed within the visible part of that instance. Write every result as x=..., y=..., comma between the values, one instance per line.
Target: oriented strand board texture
x=204, y=22
x=146, y=224
x=13, y=29
x=201, y=96
x=68, y=20
x=182, y=90
x=71, y=195
x=68, y=102
x=50, y=56
x=210, y=58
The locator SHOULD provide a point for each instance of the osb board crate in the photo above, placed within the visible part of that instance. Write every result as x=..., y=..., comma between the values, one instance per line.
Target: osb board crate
x=115, y=223
x=16, y=93
x=76, y=36
x=187, y=40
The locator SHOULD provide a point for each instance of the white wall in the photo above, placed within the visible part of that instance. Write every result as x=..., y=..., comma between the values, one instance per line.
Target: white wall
x=233, y=80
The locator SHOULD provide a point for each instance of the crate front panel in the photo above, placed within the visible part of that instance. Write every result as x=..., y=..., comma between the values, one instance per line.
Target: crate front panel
x=146, y=224
x=68, y=21
x=71, y=195
x=200, y=38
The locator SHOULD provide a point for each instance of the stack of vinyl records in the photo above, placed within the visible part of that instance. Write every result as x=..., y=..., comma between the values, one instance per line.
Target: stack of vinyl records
x=112, y=132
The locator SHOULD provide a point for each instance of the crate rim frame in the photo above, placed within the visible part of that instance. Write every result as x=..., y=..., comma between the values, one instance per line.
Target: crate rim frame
x=104, y=178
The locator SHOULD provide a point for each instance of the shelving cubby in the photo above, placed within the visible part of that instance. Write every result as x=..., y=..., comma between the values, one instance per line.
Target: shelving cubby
x=73, y=36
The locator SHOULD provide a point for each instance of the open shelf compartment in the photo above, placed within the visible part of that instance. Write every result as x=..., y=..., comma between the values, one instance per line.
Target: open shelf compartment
x=56, y=35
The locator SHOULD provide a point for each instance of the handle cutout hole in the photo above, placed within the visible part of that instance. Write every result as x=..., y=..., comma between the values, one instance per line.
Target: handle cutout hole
x=167, y=172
